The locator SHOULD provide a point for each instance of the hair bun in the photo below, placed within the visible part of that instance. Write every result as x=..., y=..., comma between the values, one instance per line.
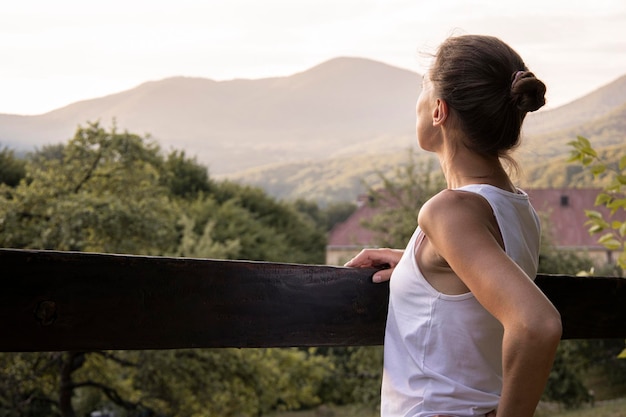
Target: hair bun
x=527, y=92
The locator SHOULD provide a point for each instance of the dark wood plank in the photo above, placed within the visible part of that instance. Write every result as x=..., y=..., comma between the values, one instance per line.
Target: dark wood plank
x=80, y=301
x=71, y=301
x=590, y=307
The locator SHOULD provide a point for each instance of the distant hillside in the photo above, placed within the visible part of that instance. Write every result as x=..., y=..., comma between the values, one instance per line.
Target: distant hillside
x=341, y=178
x=595, y=104
x=606, y=130
x=542, y=158
x=238, y=124
x=314, y=134
x=558, y=173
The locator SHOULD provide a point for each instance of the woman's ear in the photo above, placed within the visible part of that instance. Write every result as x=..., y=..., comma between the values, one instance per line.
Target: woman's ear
x=440, y=112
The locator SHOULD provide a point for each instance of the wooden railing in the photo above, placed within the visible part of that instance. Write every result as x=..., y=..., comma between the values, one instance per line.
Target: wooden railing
x=55, y=301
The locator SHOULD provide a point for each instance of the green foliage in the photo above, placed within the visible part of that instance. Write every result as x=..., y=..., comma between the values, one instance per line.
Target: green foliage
x=357, y=375
x=12, y=169
x=103, y=195
x=564, y=382
x=399, y=199
x=340, y=178
x=325, y=218
x=613, y=196
x=203, y=245
x=221, y=382
x=28, y=382
x=185, y=177
x=266, y=229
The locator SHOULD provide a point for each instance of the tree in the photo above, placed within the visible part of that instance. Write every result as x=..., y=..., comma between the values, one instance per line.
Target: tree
x=102, y=196
x=185, y=177
x=12, y=169
x=613, y=197
x=267, y=230
x=399, y=198
x=325, y=218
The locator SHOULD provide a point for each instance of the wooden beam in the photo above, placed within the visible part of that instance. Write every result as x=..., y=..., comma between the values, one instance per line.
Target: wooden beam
x=85, y=301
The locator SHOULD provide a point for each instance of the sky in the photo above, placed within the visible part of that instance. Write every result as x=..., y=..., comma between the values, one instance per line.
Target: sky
x=54, y=53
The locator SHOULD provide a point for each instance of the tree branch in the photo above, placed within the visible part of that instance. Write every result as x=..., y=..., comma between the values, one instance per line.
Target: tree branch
x=112, y=395
x=89, y=172
x=115, y=359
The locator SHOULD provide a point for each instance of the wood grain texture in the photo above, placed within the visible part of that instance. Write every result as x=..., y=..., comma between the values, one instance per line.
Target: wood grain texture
x=83, y=301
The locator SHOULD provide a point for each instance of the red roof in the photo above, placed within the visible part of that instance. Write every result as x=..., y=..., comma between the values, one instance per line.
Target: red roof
x=562, y=213
x=351, y=232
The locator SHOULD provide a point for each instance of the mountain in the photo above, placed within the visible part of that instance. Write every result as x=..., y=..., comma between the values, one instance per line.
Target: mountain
x=317, y=132
x=237, y=124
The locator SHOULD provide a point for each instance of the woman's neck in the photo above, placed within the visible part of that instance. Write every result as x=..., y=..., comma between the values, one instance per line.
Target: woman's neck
x=463, y=167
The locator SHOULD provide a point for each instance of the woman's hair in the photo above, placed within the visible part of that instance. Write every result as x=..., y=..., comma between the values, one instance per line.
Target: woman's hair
x=488, y=86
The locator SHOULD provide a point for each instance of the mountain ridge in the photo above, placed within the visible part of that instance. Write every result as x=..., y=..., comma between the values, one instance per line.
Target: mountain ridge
x=341, y=107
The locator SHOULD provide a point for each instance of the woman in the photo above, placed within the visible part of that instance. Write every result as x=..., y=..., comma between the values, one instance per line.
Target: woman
x=468, y=333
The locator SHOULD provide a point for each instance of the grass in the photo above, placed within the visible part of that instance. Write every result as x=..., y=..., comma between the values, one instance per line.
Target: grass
x=612, y=408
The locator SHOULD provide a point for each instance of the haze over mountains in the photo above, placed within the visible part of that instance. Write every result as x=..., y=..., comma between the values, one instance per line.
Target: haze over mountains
x=345, y=108
x=232, y=125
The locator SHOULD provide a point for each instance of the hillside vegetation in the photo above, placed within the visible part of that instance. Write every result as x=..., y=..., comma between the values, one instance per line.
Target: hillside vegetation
x=542, y=158
x=344, y=179
x=559, y=173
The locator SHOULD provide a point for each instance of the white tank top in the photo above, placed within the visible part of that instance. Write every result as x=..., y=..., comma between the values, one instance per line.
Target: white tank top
x=443, y=353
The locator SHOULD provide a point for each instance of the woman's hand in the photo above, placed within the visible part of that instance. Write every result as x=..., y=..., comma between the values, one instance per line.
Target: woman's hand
x=377, y=258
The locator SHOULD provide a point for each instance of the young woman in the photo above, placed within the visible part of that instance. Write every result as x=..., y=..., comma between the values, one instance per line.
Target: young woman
x=468, y=333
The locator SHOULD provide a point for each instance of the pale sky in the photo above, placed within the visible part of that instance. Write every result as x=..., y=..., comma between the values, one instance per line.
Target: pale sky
x=54, y=53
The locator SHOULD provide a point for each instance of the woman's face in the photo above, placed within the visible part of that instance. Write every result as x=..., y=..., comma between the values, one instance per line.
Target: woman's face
x=424, y=108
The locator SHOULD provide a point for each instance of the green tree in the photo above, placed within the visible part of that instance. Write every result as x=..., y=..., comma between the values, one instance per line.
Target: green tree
x=184, y=176
x=12, y=169
x=267, y=230
x=613, y=196
x=399, y=198
x=327, y=217
x=357, y=375
x=102, y=196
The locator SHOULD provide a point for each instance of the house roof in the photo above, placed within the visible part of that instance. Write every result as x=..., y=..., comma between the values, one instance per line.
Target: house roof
x=563, y=215
x=562, y=212
x=351, y=232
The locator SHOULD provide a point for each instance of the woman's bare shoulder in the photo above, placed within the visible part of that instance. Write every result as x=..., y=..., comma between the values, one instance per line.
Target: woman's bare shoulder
x=455, y=206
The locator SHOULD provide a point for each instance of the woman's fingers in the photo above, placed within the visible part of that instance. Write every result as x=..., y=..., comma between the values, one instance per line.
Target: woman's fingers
x=385, y=258
x=382, y=275
x=375, y=257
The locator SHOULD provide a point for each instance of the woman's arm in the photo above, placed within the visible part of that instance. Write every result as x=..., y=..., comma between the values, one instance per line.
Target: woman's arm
x=460, y=226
